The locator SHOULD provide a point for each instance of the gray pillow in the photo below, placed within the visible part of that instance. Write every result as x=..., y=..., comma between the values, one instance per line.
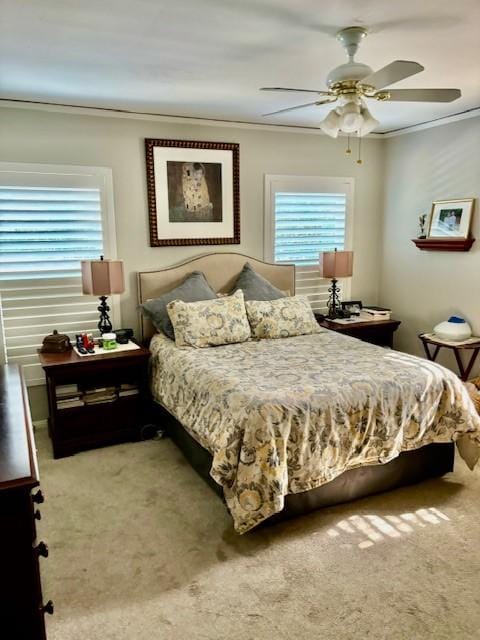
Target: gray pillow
x=193, y=289
x=255, y=286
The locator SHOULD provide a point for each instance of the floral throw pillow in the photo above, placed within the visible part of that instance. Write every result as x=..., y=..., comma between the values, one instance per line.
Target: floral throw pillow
x=281, y=318
x=211, y=322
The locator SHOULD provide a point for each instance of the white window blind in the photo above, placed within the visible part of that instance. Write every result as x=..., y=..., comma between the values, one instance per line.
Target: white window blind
x=304, y=216
x=45, y=232
x=51, y=218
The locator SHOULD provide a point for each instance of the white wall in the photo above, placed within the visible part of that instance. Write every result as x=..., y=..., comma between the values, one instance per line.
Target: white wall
x=66, y=138
x=425, y=287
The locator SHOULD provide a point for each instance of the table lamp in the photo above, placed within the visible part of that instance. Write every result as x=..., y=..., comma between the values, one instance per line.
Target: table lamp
x=103, y=278
x=334, y=265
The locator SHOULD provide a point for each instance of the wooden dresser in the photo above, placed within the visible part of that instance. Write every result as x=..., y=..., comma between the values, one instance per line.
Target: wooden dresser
x=21, y=605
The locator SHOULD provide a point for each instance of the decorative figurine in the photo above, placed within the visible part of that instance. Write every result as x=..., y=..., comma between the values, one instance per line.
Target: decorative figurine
x=421, y=221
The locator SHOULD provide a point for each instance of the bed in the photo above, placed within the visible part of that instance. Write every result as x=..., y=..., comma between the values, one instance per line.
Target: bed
x=281, y=427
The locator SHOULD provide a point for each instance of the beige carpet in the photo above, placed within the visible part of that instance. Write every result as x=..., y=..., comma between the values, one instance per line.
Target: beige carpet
x=142, y=549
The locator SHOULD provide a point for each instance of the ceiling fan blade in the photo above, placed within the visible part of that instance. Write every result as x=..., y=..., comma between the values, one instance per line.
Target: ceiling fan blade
x=393, y=72
x=300, y=106
x=423, y=95
x=321, y=93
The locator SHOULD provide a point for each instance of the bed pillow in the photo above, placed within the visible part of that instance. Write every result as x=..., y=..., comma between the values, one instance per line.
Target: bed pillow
x=255, y=286
x=281, y=318
x=194, y=288
x=209, y=323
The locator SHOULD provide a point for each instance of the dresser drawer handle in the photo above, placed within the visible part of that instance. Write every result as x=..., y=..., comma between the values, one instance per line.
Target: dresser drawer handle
x=42, y=549
x=38, y=497
x=37, y=515
x=47, y=608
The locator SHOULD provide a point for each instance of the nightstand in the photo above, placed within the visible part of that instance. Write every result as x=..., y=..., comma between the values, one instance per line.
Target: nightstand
x=378, y=332
x=113, y=415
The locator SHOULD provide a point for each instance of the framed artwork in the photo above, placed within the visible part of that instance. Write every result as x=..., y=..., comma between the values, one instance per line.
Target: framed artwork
x=193, y=192
x=451, y=218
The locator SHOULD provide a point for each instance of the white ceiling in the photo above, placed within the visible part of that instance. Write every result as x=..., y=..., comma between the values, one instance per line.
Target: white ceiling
x=208, y=58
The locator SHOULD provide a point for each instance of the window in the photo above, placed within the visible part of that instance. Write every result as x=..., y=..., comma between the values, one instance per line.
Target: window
x=303, y=216
x=51, y=217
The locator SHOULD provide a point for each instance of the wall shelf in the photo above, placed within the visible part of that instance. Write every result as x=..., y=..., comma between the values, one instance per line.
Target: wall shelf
x=444, y=244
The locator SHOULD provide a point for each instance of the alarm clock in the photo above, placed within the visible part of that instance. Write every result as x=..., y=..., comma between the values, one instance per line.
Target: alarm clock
x=123, y=335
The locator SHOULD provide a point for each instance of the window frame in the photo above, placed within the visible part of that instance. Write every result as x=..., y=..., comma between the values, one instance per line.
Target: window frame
x=305, y=184
x=70, y=176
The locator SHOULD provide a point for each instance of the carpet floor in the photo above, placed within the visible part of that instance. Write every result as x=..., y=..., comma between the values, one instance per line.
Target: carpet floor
x=142, y=549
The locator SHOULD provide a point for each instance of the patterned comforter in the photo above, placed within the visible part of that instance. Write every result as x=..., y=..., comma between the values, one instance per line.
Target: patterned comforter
x=287, y=415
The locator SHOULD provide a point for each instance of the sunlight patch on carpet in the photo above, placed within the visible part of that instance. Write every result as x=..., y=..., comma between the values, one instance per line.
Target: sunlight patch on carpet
x=377, y=528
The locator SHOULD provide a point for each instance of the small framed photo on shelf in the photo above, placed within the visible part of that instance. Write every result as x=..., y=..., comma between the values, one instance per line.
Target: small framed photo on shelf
x=451, y=218
x=352, y=307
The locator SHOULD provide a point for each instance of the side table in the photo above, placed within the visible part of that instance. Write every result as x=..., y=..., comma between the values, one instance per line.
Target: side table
x=111, y=420
x=457, y=349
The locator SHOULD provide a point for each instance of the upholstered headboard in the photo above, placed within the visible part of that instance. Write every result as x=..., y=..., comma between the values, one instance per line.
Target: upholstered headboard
x=221, y=271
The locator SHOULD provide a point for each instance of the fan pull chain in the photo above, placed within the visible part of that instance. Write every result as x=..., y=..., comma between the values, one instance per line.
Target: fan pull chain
x=359, y=159
x=348, y=151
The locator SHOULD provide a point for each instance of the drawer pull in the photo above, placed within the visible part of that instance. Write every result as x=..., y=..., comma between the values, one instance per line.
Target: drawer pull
x=47, y=608
x=37, y=515
x=38, y=497
x=42, y=549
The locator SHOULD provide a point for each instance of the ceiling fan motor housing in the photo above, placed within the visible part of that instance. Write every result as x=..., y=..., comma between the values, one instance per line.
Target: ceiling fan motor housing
x=355, y=71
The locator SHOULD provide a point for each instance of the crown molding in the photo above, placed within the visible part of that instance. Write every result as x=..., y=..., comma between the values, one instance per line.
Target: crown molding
x=438, y=122
x=107, y=112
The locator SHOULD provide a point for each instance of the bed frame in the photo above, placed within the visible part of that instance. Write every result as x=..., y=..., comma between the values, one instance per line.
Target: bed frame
x=221, y=271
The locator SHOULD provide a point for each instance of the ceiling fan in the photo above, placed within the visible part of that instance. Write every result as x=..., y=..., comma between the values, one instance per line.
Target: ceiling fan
x=349, y=83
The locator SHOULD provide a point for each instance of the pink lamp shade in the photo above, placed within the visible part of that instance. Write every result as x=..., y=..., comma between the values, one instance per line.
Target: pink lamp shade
x=336, y=264
x=102, y=277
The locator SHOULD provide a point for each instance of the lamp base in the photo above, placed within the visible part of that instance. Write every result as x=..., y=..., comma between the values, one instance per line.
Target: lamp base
x=333, y=303
x=104, y=324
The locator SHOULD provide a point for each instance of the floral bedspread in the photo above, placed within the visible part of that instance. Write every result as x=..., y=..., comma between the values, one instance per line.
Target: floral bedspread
x=287, y=415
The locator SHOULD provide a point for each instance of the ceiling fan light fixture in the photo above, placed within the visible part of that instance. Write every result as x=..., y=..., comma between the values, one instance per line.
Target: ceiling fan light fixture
x=369, y=122
x=331, y=124
x=351, y=117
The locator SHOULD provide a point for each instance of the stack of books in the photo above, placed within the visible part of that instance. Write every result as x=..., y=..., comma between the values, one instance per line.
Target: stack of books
x=128, y=390
x=68, y=396
x=377, y=313
x=101, y=394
